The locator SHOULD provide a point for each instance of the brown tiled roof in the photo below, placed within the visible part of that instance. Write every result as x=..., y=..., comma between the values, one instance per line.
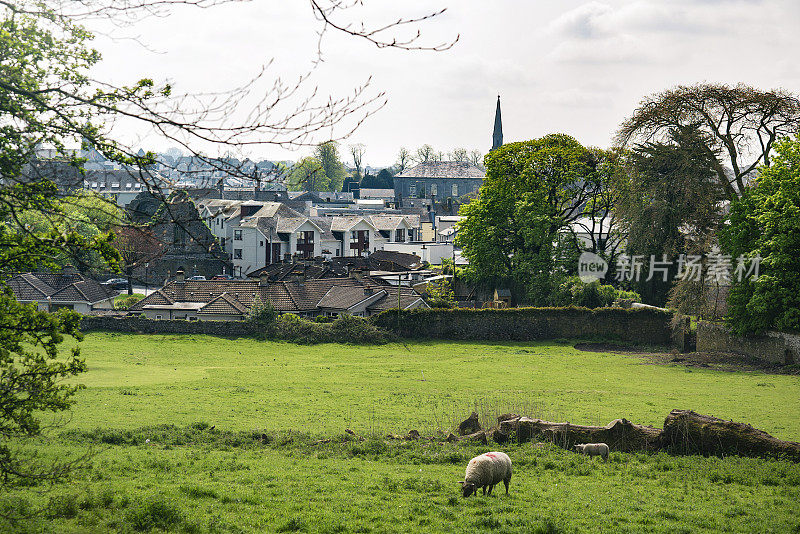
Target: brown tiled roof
x=225, y=304
x=239, y=295
x=443, y=169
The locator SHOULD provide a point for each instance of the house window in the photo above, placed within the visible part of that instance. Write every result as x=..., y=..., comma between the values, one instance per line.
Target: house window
x=359, y=242
x=260, y=243
x=158, y=317
x=421, y=191
x=412, y=189
x=305, y=244
x=237, y=254
x=400, y=235
x=455, y=190
x=237, y=235
x=434, y=190
x=222, y=243
x=178, y=235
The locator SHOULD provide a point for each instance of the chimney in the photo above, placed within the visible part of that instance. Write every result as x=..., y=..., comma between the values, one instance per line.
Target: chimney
x=263, y=280
x=180, y=276
x=357, y=273
x=69, y=269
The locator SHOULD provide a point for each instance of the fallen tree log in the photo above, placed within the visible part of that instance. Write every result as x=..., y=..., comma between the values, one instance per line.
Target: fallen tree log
x=620, y=434
x=687, y=432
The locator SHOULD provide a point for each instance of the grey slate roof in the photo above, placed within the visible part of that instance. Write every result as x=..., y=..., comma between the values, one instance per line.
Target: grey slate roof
x=443, y=169
x=59, y=287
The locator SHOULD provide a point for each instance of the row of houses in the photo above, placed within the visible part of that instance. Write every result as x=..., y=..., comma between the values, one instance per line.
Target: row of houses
x=232, y=300
x=256, y=234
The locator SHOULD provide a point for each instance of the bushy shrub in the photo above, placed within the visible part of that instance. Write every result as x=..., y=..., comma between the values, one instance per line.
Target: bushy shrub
x=124, y=302
x=344, y=329
x=575, y=292
x=262, y=314
x=440, y=295
x=350, y=329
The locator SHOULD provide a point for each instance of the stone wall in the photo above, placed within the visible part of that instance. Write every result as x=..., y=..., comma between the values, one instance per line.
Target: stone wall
x=645, y=326
x=141, y=325
x=776, y=347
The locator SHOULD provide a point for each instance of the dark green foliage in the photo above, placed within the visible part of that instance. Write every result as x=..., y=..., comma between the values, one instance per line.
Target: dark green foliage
x=344, y=329
x=382, y=180
x=669, y=204
x=765, y=222
x=262, y=315
x=574, y=292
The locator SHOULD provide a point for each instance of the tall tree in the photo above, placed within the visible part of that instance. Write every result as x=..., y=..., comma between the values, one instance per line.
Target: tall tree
x=357, y=152
x=458, y=154
x=476, y=158
x=136, y=246
x=403, y=159
x=669, y=203
x=327, y=154
x=532, y=190
x=424, y=154
x=765, y=223
x=308, y=175
x=740, y=122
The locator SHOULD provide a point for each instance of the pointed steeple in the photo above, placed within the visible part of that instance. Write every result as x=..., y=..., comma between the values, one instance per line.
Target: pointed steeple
x=497, y=135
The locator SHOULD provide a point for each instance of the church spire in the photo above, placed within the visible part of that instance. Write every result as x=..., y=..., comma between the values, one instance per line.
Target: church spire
x=497, y=135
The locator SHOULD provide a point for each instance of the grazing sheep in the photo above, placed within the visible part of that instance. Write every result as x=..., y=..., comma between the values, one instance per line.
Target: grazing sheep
x=485, y=471
x=593, y=449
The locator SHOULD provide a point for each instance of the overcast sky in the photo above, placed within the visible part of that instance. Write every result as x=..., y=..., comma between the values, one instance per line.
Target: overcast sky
x=560, y=66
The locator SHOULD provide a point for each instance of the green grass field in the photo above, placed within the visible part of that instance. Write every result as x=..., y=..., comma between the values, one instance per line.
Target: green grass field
x=245, y=384
x=148, y=475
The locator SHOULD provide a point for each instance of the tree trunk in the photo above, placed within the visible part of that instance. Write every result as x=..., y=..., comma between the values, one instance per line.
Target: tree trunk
x=687, y=432
x=619, y=435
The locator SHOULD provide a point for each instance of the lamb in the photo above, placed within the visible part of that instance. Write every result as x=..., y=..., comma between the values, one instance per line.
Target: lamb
x=593, y=449
x=485, y=471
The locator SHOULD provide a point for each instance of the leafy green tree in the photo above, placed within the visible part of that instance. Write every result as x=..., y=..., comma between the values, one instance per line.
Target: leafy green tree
x=532, y=190
x=765, y=223
x=382, y=180
x=385, y=179
x=669, y=203
x=327, y=154
x=308, y=175
x=440, y=295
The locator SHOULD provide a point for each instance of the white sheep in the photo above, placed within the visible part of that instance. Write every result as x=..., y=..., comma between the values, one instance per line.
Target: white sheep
x=485, y=471
x=593, y=449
